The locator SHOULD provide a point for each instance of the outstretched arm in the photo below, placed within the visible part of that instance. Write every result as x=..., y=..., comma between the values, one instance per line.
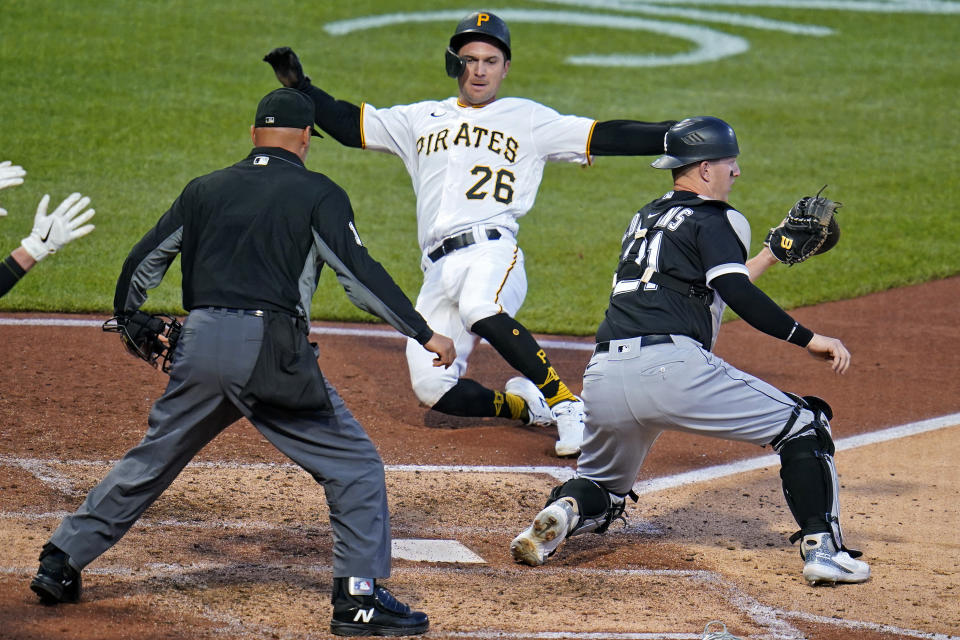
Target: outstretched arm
x=338, y=118
x=14, y=267
x=50, y=233
x=762, y=313
x=628, y=138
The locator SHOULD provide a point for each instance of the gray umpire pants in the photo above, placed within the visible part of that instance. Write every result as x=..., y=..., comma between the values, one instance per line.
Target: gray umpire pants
x=633, y=393
x=215, y=357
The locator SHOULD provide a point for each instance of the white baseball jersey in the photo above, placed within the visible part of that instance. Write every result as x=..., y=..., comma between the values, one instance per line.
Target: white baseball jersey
x=474, y=165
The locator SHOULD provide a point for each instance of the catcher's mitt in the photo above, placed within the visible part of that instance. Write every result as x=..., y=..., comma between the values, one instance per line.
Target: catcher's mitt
x=151, y=338
x=809, y=229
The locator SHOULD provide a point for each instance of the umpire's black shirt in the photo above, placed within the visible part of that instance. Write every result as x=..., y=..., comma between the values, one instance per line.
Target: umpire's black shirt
x=255, y=236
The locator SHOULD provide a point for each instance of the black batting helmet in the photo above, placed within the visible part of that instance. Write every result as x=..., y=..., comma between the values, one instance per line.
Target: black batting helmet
x=697, y=139
x=480, y=25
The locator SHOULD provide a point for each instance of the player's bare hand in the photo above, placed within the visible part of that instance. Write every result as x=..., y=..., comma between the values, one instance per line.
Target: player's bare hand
x=830, y=349
x=443, y=347
x=286, y=65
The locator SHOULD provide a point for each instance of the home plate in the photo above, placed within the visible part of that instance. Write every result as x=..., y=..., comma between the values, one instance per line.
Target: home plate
x=434, y=551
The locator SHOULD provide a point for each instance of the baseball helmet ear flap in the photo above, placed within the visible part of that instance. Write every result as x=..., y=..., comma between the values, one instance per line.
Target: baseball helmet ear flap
x=455, y=64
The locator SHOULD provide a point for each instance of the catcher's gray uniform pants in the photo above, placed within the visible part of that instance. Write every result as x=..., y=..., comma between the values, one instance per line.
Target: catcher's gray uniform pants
x=632, y=393
x=215, y=357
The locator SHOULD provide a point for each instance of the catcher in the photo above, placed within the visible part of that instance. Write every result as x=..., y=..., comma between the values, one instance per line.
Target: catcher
x=683, y=258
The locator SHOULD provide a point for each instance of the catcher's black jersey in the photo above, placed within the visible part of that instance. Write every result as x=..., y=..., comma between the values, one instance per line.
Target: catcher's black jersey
x=689, y=240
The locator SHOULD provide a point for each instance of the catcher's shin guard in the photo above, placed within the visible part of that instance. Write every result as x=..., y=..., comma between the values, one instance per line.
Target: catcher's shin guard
x=596, y=506
x=809, y=478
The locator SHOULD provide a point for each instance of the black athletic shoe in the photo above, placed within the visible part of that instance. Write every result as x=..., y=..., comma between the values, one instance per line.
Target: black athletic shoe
x=56, y=581
x=361, y=608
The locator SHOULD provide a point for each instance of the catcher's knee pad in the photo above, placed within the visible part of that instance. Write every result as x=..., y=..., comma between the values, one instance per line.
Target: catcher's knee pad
x=597, y=507
x=799, y=425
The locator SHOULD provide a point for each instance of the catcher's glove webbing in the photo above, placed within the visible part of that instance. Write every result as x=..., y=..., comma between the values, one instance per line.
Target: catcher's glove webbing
x=809, y=229
x=141, y=334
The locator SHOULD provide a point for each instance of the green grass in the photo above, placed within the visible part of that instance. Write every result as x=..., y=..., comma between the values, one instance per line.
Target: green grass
x=128, y=101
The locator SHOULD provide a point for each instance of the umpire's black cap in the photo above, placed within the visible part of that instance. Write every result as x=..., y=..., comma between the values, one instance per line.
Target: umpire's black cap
x=286, y=108
x=697, y=139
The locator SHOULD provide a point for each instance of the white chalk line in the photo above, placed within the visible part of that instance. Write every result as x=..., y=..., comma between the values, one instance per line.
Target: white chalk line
x=765, y=616
x=317, y=329
x=43, y=469
x=635, y=526
x=769, y=618
x=752, y=464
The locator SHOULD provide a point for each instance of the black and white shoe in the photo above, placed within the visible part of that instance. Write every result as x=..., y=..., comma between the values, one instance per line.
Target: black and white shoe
x=361, y=608
x=56, y=581
x=823, y=563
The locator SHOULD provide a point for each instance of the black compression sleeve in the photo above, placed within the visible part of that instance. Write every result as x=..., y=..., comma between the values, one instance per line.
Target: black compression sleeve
x=339, y=118
x=628, y=138
x=10, y=274
x=762, y=313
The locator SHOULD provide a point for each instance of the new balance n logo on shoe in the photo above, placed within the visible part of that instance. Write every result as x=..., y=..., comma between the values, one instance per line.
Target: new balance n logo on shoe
x=363, y=615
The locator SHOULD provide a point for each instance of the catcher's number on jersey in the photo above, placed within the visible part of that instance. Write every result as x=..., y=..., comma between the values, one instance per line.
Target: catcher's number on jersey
x=648, y=252
x=503, y=187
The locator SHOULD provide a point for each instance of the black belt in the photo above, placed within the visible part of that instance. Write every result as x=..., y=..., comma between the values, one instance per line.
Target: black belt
x=451, y=244
x=240, y=312
x=645, y=341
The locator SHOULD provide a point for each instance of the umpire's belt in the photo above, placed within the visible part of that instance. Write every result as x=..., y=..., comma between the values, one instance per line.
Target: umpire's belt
x=239, y=312
x=465, y=239
x=645, y=341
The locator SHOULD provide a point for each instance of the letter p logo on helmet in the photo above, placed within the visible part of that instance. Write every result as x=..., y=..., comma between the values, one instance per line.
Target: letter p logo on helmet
x=481, y=18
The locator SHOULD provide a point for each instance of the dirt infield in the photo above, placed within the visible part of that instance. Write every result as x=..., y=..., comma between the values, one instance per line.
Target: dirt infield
x=239, y=547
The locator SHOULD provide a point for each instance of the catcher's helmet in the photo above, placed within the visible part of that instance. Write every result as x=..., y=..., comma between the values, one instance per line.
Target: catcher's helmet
x=697, y=139
x=480, y=25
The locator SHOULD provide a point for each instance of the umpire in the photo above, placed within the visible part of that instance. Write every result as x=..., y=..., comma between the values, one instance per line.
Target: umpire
x=253, y=239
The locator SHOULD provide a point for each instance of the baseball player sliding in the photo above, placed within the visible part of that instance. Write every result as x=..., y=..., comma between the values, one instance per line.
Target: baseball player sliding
x=476, y=163
x=682, y=260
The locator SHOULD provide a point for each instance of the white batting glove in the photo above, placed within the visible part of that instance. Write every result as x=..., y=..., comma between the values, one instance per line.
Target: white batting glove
x=51, y=232
x=10, y=176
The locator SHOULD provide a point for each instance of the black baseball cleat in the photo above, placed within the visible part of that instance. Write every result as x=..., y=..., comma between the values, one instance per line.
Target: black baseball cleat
x=56, y=581
x=361, y=608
